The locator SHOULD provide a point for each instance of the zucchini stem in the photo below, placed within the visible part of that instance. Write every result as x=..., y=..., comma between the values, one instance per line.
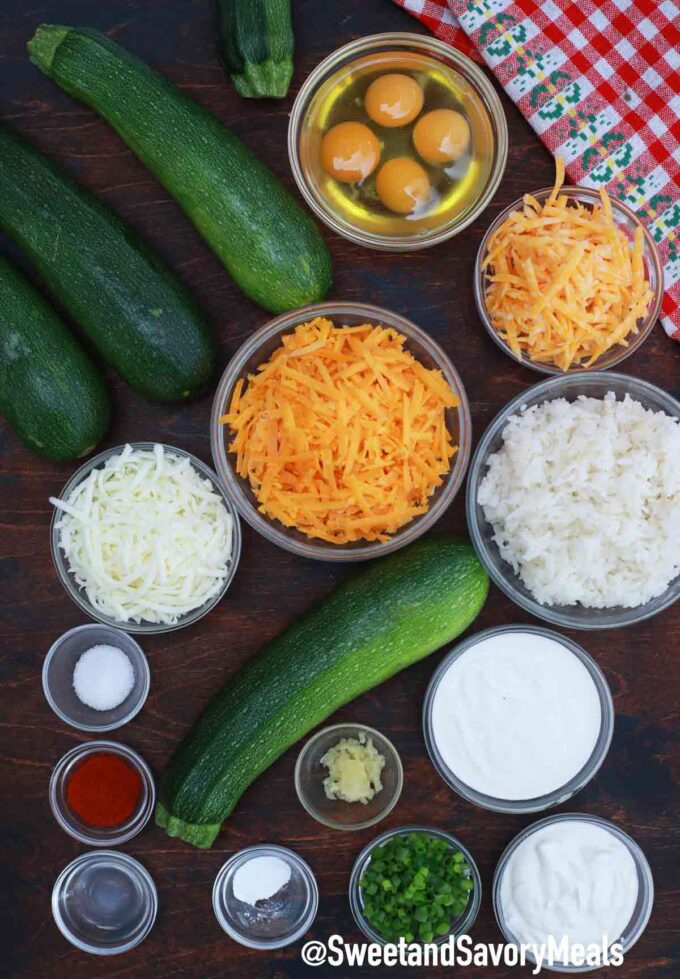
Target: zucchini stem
x=43, y=45
x=202, y=835
x=268, y=80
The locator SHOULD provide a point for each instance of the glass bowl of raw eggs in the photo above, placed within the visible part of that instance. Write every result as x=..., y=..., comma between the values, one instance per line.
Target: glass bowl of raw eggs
x=397, y=141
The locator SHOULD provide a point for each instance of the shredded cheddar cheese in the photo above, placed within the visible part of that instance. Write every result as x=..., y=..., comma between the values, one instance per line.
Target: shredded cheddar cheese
x=565, y=284
x=342, y=433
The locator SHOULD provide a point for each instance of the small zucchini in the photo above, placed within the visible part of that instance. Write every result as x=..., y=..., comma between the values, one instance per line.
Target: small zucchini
x=131, y=306
x=51, y=393
x=256, y=46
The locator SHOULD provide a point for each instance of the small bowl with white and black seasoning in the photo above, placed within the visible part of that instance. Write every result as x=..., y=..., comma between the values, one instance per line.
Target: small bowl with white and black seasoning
x=265, y=897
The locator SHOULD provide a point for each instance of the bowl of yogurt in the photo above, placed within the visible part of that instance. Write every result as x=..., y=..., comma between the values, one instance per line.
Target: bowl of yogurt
x=577, y=886
x=518, y=718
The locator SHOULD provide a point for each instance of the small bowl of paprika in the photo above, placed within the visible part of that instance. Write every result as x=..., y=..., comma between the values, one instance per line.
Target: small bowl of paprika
x=102, y=793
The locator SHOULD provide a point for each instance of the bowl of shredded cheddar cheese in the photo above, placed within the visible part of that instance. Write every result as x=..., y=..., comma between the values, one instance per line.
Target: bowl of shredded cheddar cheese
x=568, y=279
x=341, y=431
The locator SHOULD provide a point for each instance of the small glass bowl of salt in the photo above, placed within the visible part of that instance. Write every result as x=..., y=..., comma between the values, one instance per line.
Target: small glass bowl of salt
x=96, y=678
x=265, y=896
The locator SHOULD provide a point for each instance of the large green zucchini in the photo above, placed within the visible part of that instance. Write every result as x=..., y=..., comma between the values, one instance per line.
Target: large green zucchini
x=270, y=246
x=51, y=393
x=133, y=309
x=376, y=623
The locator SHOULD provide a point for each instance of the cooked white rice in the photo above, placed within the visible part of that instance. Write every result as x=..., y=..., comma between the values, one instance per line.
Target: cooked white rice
x=584, y=500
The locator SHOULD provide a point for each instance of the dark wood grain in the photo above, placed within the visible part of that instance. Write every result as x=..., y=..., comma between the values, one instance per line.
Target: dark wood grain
x=636, y=785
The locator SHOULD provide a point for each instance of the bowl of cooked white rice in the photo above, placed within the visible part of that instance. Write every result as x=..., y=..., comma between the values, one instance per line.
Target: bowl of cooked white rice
x=573, y=500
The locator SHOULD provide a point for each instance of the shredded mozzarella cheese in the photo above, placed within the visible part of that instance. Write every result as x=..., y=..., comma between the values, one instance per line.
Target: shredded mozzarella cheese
x=146, y=536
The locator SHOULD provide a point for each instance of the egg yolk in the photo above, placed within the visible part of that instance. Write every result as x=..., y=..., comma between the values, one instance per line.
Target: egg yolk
x=350, y=152
x=402, y=185
x=393, y=100
x=441, y=136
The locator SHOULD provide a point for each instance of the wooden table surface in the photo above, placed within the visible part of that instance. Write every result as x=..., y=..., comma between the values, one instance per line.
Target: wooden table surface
x=635, y=787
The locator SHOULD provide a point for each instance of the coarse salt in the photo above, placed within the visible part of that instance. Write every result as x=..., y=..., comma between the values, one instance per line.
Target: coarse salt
x=103, y=677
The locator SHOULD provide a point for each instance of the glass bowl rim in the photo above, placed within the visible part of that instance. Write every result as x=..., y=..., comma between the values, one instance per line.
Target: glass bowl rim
x=650, y=318
x=635, y=850
x=557, y=796
x=77, y=594
x=53, y=652
x=468, y=917
x=452, y=57
x=134, y=866
x=358, y=728
x=557, y=384
x=453, y=480
x=117, y=834
x=307, y=874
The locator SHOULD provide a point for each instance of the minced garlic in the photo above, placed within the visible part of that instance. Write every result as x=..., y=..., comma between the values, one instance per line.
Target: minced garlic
x=354, y=767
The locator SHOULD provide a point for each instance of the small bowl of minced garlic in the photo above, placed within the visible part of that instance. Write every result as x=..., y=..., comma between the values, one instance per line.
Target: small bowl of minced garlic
x=348, y=776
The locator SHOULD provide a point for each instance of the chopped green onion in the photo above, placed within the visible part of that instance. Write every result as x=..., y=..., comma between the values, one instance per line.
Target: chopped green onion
x=415, y=886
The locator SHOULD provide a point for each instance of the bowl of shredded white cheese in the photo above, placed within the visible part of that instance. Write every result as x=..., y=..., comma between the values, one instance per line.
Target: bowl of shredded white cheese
x=573, y=500
x=144, y=538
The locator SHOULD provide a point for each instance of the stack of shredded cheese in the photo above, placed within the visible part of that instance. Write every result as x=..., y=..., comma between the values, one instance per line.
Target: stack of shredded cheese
x=564, y=284
x=342, y=434
x=146, y=536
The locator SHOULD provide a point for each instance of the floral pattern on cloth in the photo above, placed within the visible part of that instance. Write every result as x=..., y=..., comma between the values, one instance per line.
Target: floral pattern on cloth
x=600, y=84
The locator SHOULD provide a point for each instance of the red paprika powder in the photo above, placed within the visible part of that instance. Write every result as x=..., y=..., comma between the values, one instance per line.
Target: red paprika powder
x=104, y=790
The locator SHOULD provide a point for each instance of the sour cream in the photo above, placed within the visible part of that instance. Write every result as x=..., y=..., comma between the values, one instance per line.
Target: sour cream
x=516, y=715
x=569, y=879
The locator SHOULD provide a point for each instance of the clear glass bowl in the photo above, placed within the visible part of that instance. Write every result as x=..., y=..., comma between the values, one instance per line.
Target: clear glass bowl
x=645, y=899
x=257, y=349
x=275, y=922
x=461, y=926
x=625, y=219
x=79, y=595
x=568, y=386
x=96, y=835
x=104, y=902
x=564, y=792
x=310, y=774
x=470, y=77
x=57, y=678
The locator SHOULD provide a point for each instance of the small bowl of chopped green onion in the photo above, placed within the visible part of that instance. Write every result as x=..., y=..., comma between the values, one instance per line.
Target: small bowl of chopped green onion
x=416, y=883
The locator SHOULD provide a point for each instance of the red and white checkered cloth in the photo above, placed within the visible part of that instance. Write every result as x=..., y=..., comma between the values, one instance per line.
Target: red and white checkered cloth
x=600, y=84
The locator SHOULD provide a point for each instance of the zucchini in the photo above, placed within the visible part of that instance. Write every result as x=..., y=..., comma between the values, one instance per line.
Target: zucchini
x=385, y=618
x=131, y=307
x=51, y=393
x=269, y=245
x=256, y=46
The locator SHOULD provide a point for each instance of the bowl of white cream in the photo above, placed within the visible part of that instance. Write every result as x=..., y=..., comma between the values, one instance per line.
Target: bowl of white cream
x=576, y=889
x=518, y=718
